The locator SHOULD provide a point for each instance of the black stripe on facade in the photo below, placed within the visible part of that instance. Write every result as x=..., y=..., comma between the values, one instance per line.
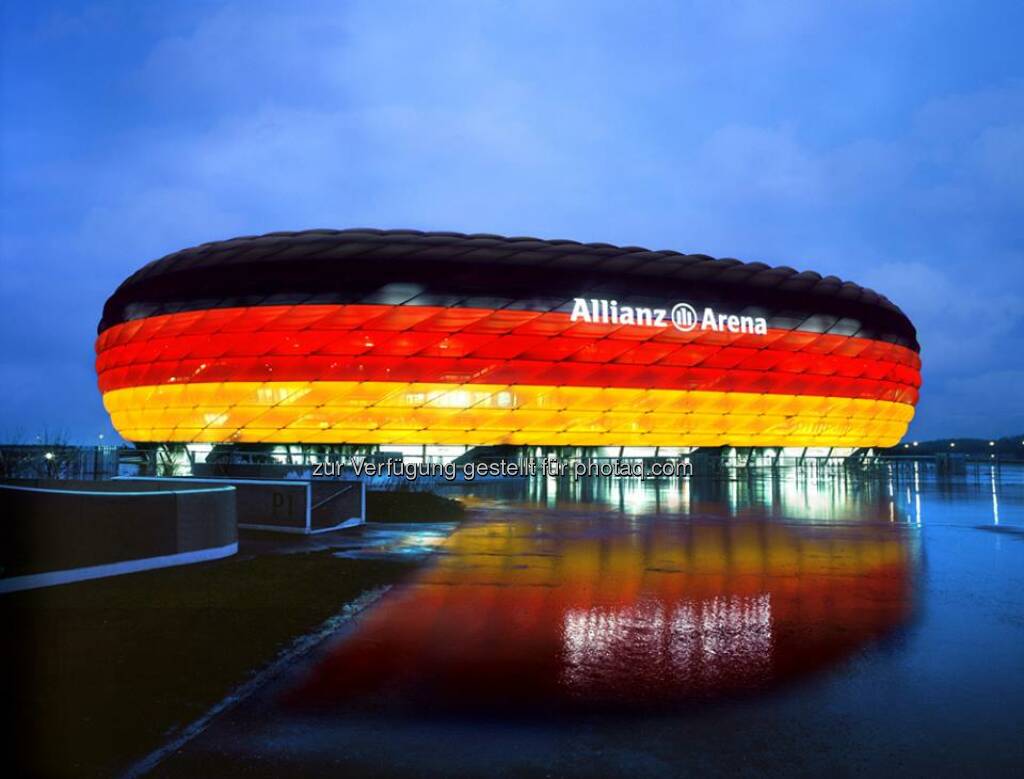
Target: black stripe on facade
x=400, y=267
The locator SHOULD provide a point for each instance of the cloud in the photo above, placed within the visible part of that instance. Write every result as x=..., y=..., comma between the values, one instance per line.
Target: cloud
x=961, y=327
x=965, y=404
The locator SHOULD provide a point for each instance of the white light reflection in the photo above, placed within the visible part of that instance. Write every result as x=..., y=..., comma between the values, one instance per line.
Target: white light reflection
x=917, y=493
x=995, y=497
x=704, y=639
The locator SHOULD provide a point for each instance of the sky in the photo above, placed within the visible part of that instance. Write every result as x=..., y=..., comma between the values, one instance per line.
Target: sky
x=882, y=142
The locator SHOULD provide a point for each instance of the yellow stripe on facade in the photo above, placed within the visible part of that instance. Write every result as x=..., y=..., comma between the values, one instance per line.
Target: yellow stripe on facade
x=478, y=414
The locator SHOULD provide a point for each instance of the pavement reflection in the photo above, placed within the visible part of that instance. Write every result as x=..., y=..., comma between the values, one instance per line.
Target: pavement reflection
x=531, y=609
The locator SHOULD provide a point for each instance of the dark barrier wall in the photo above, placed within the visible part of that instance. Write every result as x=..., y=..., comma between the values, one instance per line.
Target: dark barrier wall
x=332, y=501
x=290, y=505
x=53, y=532
x=335, y=502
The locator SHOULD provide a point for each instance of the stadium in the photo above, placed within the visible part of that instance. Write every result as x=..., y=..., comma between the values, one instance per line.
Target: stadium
x=379, y=338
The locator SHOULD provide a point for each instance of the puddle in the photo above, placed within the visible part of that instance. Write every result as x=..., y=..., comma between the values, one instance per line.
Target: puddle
x=537, y=610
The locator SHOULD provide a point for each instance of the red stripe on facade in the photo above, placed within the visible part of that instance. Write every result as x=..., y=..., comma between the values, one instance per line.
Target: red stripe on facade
x=453, y=345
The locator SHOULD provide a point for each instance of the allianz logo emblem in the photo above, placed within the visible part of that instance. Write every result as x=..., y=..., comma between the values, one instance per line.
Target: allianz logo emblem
x=682, y=316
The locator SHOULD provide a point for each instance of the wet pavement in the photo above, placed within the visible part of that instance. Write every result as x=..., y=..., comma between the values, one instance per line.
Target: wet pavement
x=751, y=627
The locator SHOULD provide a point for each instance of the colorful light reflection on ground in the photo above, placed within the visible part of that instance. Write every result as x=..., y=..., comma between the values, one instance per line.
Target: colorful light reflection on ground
x=539, y=609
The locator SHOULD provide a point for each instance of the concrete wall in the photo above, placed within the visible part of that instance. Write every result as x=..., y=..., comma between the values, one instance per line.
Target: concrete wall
x=285, y=505
x=53, y=532
x=334, y=503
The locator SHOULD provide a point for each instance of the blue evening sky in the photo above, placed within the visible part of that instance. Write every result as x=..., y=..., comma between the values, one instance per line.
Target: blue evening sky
x=879, y=141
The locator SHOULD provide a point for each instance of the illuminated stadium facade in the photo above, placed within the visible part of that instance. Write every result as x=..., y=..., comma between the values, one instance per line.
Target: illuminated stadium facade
x=369, y=337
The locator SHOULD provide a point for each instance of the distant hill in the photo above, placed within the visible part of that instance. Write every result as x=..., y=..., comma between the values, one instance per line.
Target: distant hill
x=1009, y=446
